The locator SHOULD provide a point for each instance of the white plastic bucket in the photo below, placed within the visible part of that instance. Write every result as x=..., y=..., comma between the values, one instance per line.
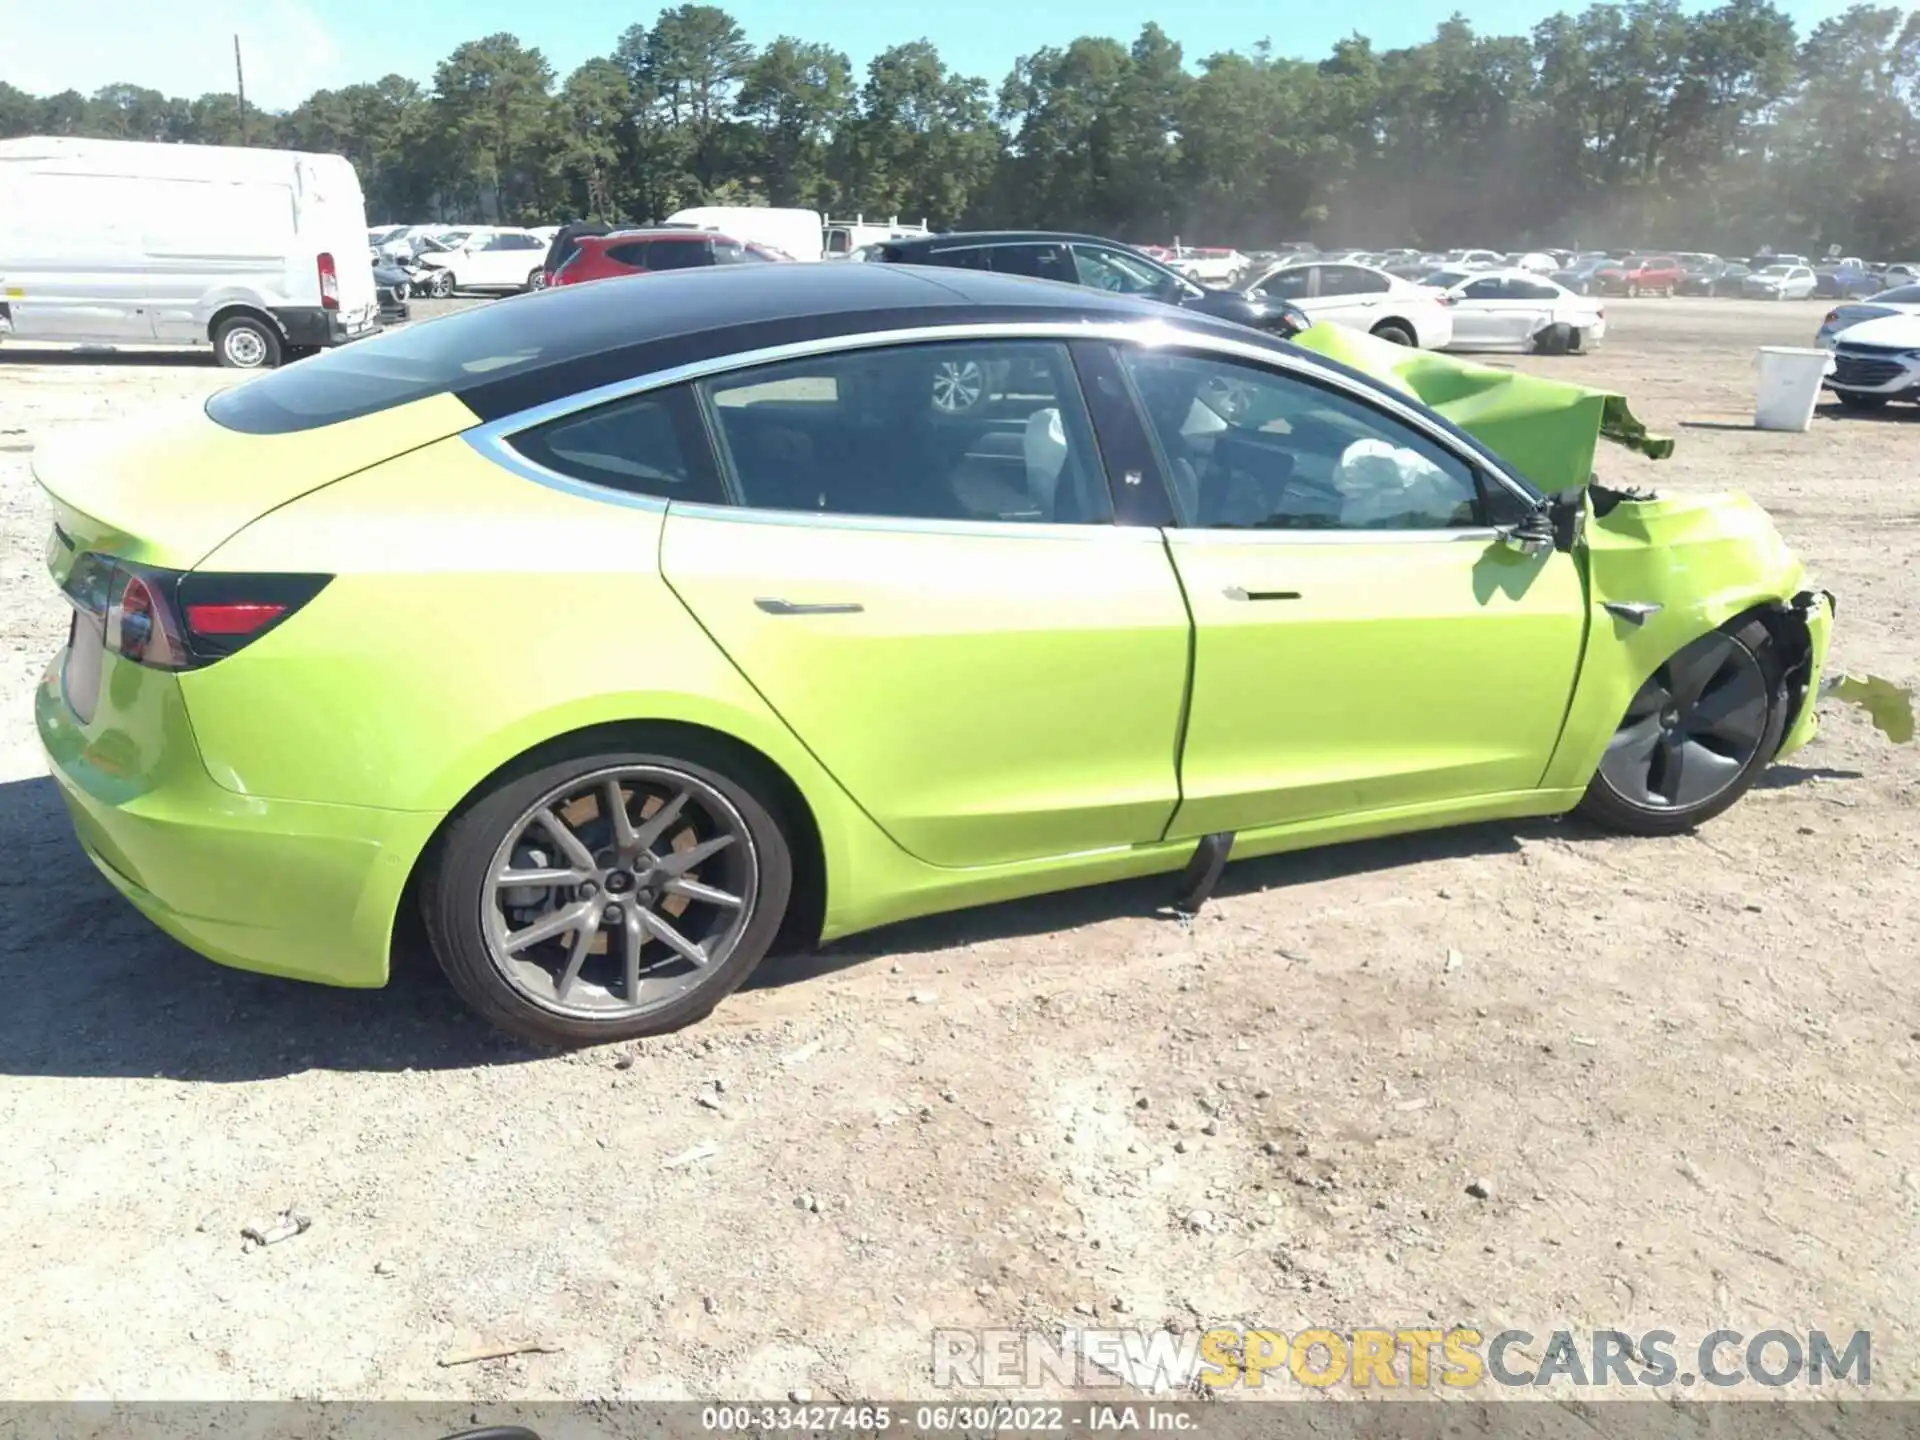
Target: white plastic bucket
x=1789, y=386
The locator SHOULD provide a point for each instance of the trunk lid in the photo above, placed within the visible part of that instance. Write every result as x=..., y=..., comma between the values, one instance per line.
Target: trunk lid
x=168, y=487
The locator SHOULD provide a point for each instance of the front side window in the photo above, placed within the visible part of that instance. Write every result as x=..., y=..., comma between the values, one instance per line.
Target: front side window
x=1041, y=262
x=1288, y=284
x=982, y=431
x=1350, y=280
x=1099, y=268
x=1249, y=449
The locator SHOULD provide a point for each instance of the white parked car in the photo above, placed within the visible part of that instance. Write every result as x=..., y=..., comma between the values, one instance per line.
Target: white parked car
x=487, y=259
x=1518, y=310
x=1538, y=262
x=1877, y=361
x=1904, y=300
x=1363, y=298
x=256, y=253
x=1208, y=266
x=1780, y=281
x=798, y=233
x=1475, y=257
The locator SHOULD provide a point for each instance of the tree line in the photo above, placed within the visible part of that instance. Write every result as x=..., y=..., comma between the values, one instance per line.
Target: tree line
x=1625, y=124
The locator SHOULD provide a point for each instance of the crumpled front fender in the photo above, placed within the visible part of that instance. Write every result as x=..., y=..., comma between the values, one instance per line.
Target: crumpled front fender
x=1674, y=568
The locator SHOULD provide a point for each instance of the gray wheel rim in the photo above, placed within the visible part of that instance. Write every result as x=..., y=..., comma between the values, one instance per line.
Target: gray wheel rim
x=244, y=347
x=1692, y=730
x=958, y=385
x=537, y=280
x=619, y=892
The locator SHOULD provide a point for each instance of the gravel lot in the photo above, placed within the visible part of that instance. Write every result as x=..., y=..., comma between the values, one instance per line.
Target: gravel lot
x=1683, y=1069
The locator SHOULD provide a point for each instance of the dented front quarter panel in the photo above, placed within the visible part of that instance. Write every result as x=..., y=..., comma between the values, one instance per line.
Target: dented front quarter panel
x=1702, y=559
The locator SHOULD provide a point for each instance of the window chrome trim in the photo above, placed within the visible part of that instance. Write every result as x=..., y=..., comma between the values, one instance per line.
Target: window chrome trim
x=1103, y=532
x=1484, y=534
x=493, y=439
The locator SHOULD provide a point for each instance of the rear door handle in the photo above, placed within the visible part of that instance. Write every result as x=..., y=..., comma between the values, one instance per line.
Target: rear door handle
x=1240, y=592
x=774, y=606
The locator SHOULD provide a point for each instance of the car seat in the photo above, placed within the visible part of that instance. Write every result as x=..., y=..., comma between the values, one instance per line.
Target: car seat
x=1045, y=447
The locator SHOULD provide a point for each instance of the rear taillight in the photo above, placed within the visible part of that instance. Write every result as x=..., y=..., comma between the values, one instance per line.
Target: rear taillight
x=562, y=275
x=174, y=620
x=1444, y=298
x=329, y=282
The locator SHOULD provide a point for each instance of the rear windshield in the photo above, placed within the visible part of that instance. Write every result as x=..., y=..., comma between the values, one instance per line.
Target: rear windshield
x=393, y=369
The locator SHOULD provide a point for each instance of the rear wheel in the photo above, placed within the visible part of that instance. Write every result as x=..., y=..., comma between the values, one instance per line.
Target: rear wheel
x=609, y=894
x=1394, y=333
x=1696, y=736
x=246, y=342
x=1556, y=339
x=537, y=279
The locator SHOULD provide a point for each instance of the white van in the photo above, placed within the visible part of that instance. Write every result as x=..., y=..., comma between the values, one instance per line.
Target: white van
x=795, y=232
x=843, y=237
x=261, y=254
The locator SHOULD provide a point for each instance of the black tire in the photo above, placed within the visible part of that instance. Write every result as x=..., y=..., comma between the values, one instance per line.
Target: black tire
x=1577, y=339
x=1556, y=339
x=1395, y=333
x=246, y=342
x=1746, y=649
x=455, y=891
x=1853, y=400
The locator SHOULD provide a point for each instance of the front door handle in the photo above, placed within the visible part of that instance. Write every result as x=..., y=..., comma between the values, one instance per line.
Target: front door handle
x=1240, y=592
x=774, y=606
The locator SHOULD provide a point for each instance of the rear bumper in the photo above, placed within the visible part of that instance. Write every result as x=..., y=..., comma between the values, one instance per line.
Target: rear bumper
x=312, y=325
x=308, y=891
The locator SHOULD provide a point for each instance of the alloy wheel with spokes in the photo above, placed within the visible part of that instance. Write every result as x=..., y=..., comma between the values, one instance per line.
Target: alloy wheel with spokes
x=1695, y=735
x=619, y=891
x=958, y=386
x=608, y=896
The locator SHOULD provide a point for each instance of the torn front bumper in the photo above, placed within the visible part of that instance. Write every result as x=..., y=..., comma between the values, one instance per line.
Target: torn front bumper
x=1815, y=607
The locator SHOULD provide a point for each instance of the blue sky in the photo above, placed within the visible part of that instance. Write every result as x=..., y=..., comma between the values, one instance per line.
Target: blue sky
x=295, y=46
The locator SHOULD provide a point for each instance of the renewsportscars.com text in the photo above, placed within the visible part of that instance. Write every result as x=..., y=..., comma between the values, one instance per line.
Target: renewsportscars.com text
x=1400, y=1358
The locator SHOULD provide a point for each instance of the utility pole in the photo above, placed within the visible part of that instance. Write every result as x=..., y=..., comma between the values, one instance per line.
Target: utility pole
x=240, y=88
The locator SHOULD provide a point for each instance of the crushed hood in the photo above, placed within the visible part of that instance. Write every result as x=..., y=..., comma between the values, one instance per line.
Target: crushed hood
x=1548, y=430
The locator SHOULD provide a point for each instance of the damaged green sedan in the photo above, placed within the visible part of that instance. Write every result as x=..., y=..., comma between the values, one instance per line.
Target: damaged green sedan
x=624, y=630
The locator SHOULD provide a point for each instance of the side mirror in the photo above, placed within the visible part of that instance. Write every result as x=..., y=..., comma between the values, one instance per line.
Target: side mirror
x=1523, y=539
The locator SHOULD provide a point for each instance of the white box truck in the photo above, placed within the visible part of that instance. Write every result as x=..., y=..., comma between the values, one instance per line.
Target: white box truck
x=794, y=232
x=261, y=254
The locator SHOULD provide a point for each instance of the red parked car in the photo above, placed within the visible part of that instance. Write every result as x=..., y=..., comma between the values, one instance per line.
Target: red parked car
x=1645, y=275
x=642, y=252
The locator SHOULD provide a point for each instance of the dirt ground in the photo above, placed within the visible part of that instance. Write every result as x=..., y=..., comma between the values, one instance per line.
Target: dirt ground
x=1682, y=1071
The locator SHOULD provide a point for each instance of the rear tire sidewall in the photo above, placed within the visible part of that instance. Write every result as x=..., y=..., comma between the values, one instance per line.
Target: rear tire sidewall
x=245, y=342
x=455, y=888
x=1605, y=807
x=1395, y=333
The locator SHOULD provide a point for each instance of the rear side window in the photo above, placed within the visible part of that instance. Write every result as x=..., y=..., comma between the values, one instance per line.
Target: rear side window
x=650, y=444
x=634, y=254
x=677, y=254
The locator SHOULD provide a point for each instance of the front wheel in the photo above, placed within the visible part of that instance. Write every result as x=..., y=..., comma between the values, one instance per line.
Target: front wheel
x=1695, y=737
x=442, y=286
x=610, y=894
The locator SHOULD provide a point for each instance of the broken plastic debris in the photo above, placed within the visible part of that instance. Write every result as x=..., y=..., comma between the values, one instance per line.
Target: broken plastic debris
x=1888, y=705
